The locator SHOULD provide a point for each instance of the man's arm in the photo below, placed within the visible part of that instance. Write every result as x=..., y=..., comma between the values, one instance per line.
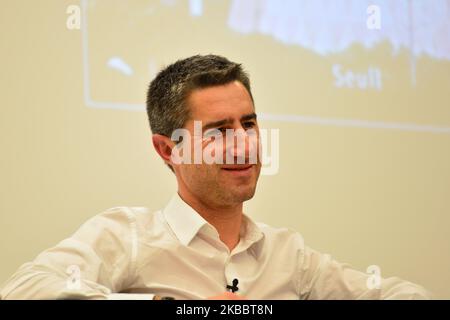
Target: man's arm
x=321, y=277
x=94, y=263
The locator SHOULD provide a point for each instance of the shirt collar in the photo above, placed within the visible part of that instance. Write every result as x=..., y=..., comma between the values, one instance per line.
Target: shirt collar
x=186, y=223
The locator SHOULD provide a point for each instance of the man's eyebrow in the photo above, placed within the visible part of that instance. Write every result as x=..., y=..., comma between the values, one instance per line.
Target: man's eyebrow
x=219, y=123
x=251, y=116
x=216, y=124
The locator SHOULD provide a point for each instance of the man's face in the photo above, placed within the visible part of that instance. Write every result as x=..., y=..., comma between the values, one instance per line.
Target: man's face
x=222, y=184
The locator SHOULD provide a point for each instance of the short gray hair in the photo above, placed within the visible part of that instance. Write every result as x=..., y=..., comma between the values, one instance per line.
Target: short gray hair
x=166, y=96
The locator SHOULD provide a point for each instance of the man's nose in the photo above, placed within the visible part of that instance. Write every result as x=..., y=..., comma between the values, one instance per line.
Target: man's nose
x=240, y=146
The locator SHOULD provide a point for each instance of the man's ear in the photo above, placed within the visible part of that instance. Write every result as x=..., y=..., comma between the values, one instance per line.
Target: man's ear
x=163, y=145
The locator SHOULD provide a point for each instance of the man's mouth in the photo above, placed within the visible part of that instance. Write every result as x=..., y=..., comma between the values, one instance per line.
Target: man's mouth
x=241, y=171
x=237, y=167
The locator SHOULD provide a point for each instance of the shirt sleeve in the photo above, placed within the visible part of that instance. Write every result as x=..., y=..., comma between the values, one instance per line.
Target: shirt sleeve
x=321, y=277
x=95, y=263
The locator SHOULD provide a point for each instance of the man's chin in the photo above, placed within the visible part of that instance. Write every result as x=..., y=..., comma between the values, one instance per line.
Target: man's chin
x=240, y=196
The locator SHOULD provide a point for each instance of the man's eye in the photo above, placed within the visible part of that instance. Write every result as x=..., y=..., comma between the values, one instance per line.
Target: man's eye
x=248, y=125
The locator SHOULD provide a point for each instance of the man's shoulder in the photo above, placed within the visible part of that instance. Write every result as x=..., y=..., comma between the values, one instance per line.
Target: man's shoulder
x=122, y=212
x=123, y=215
x=126, y=210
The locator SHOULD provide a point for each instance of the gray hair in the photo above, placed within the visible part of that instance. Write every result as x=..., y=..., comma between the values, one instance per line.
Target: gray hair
x=167, y=109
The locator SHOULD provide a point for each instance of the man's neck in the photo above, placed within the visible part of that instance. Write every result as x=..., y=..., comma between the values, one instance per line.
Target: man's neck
x=227, y=220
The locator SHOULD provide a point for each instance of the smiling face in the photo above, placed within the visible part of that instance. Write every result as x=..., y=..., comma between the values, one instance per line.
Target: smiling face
x=222, y=107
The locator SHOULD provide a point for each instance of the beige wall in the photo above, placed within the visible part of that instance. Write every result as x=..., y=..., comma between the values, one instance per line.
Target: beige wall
x=367, y=196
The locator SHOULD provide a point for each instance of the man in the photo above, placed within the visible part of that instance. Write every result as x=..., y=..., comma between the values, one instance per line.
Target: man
x=201, y=245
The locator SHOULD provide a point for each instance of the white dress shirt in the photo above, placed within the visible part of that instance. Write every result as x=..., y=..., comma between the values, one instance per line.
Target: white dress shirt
x=131, y=253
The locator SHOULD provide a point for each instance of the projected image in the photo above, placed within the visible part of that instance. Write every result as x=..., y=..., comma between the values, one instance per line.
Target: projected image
x=345, y=62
